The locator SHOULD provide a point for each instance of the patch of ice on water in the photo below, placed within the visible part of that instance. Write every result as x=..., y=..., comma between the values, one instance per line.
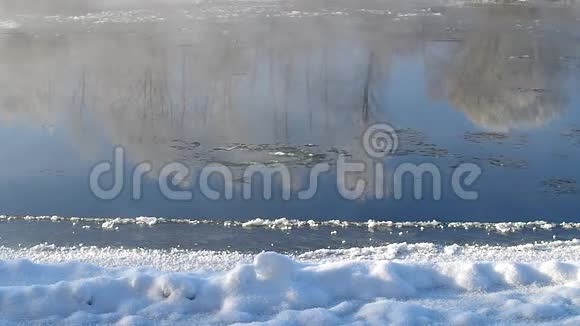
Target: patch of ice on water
x=285, y=223
x=375, y=12
x=110, y=224
x=111, y=16
x=9, y=24
x=146, y=220
x=425, y=12
x=483, y=2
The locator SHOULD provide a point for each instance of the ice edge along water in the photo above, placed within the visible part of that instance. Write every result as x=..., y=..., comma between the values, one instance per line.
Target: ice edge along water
x=407, y=284
x=285, y=224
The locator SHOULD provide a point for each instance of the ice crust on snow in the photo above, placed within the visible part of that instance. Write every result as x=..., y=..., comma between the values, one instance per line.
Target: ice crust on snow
x=180, y=260
x=344, y=286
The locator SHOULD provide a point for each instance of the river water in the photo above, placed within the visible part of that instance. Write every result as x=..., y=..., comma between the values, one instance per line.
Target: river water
x=247, y=83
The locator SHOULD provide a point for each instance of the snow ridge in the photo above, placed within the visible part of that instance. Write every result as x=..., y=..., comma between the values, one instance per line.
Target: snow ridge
x=279, y=290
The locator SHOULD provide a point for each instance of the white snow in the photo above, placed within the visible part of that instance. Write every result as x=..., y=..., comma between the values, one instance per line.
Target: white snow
x=399, y=284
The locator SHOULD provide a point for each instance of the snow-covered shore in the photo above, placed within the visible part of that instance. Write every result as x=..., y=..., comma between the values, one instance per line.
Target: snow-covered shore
x=395, y=284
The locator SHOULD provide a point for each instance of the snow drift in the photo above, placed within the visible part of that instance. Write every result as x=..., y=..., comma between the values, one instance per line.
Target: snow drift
x=276, y=289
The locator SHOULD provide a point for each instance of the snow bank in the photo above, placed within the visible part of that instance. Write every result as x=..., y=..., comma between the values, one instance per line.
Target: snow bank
x=317, y=288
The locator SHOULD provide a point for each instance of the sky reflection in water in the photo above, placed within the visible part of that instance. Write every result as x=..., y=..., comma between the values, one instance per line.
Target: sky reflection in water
x=492, y=84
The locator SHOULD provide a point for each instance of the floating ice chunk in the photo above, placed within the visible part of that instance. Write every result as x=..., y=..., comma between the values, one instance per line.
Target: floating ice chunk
x=110, y=224
x=9, y=24
x=147, y=220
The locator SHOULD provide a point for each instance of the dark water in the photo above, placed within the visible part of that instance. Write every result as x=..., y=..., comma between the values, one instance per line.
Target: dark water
x=492, y=84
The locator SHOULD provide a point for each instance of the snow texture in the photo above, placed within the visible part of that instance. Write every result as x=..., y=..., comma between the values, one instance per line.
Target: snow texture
x=398, y=284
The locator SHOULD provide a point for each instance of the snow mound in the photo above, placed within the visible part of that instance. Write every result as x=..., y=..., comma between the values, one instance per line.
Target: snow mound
x=281, y=290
